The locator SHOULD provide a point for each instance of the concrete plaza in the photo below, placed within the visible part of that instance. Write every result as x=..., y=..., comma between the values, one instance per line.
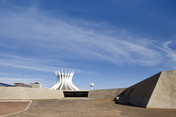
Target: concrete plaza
x=89, y=107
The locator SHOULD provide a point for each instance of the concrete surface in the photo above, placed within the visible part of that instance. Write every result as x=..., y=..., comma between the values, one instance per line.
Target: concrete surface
x=86, y=107
x=158, y=91
x=105, y=93
x=164, y=94
x=29, y=93
x=9, y=93
x=12, y=107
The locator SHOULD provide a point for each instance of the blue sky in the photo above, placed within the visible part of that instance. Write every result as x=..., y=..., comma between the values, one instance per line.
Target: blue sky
x=112, y=43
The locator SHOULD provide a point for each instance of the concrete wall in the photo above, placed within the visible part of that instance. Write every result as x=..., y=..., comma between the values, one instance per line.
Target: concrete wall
x=139, y=94
x=158, y=91
x=164, y=94
x=9, y=93
x=105, y=93
x=29, y=93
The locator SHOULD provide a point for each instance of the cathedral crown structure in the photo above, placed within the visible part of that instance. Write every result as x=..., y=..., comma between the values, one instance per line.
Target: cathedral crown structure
x=64, y=80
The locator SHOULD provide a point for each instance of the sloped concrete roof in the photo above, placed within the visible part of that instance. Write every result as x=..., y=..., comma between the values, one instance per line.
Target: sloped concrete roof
x=158, y=91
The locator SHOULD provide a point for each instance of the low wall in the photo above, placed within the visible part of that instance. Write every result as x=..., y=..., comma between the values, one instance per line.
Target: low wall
x=29, y=93
x=105, y=93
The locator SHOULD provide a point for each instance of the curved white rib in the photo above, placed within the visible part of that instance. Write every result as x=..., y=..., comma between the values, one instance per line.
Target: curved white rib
x=57, y=84
x=64, y=81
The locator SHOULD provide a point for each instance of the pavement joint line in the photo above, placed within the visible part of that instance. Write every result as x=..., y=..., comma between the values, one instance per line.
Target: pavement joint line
x=30, y=102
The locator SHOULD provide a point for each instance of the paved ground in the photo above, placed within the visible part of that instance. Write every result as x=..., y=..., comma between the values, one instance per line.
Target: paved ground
x=71, y=107
x=11, y=107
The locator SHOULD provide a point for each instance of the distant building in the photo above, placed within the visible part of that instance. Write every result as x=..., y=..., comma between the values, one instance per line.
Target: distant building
x=64, y=80
x=22, y=85
x=6, y=85
x=36, y=85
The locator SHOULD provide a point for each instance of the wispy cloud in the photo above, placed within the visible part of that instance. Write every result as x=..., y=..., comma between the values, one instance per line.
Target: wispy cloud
x=170, y=53
x=64, y=38
x=25, y=63
x=47, y=69
x=35, y=64
x=33, y=40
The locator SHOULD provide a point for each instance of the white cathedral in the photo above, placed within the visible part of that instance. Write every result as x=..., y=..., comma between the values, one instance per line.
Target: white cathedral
x=64, y=80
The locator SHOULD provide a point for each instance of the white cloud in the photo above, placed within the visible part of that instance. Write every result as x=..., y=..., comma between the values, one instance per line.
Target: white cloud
x=171, y=53
x=47, y=69
x=29, y=38
x=58, y=36
x=168, y=51
x=25, y=63
x=76, y=38
x=35, y=64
